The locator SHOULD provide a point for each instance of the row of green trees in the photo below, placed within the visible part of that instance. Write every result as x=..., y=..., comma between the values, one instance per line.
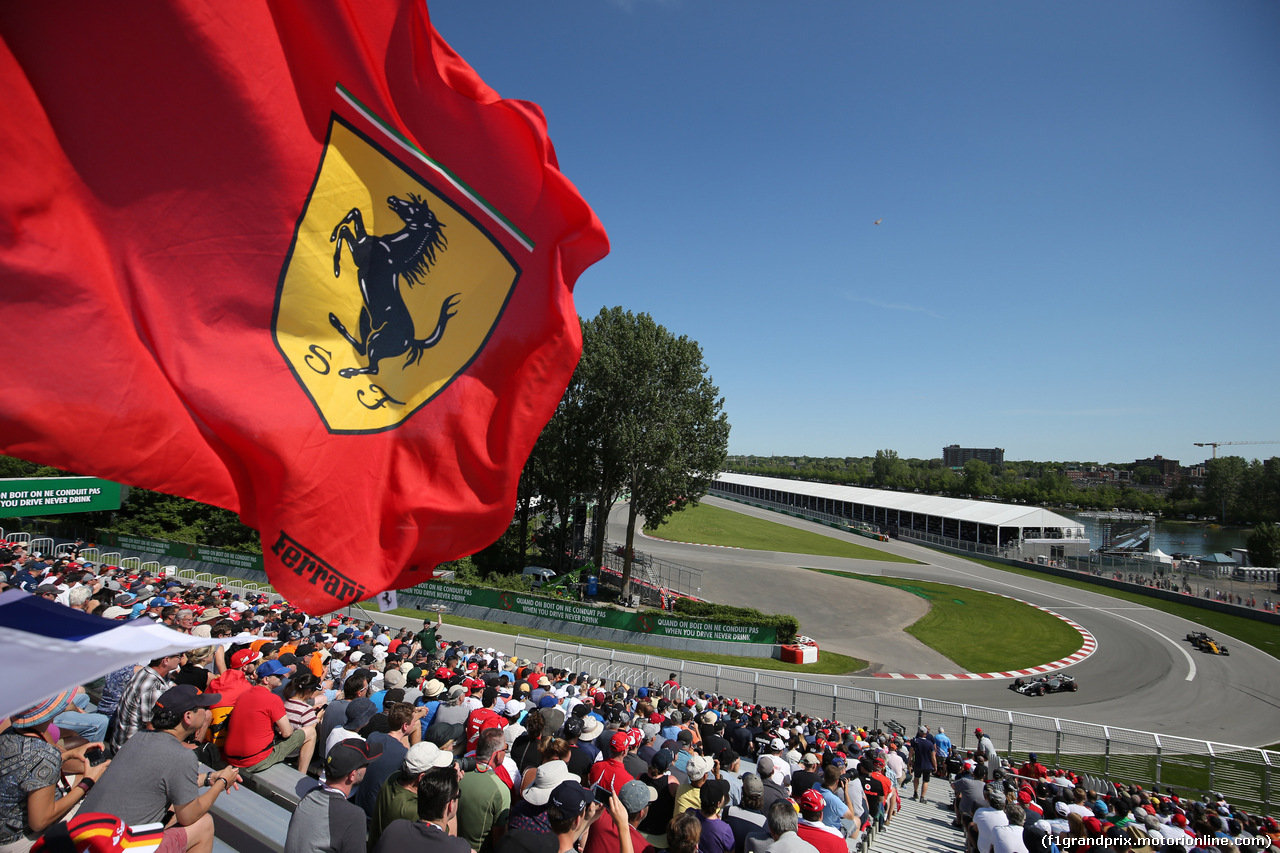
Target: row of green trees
x=641, y=418
x=1248, y=491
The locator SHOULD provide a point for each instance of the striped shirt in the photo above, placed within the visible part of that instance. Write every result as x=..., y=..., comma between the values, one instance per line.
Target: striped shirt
x=301, y=713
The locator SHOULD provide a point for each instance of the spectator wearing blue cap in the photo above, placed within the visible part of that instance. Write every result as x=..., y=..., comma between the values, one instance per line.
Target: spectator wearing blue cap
x=258, y=717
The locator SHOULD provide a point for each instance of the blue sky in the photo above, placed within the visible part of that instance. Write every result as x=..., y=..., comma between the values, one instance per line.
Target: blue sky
x=1079, y=257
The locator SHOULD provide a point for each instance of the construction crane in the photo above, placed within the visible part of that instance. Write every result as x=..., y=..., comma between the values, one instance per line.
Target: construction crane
x=1216, y=444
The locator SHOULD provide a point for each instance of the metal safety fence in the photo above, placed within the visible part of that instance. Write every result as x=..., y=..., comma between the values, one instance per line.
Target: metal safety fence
x=664, y=575
x=1245, y=775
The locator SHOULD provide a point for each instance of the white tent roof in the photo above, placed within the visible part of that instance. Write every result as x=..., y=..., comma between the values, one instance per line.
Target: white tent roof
x=960, y=509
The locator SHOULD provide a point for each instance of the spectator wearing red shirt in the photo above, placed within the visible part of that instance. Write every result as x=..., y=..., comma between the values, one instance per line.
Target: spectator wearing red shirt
x=484, y=717
x=253, y=724
x=1033, y=769
x=813, y=830
x=611, y=773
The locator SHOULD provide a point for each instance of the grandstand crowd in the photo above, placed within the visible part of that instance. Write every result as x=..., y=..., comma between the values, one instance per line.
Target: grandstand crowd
x=413, y=742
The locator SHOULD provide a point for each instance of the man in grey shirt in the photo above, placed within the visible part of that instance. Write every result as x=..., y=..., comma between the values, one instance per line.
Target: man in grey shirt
x=452, y=710
x=154, y=772
x=324, y=822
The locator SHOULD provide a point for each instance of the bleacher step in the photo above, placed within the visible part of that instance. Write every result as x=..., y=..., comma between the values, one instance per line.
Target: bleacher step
x=921, y=828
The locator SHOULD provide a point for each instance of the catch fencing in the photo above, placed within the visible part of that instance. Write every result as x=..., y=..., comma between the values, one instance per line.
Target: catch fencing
x=1246, y=776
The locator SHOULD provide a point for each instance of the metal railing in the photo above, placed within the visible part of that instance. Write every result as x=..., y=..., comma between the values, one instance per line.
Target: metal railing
x=948, y=542
x=668, y=575
x=1246, y=776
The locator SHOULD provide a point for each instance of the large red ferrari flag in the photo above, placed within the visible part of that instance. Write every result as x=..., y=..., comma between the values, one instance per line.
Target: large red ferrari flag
x=289, y=257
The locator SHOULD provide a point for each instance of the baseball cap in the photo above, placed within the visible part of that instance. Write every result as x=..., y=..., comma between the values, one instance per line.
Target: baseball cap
x=712, y=794
x=350, y=755
x=752, y=785
x=620, y=742
x=698, y=767
x=185, y=697
x=244, y=657
x=661, y=759
x=635, y=795
x=811, y=801
x=570, y=798
x=95, y=832
x=272, y=667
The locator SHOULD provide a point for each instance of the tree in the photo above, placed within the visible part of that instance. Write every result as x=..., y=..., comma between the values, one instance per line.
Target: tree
x=658, y=427
x=559, y=472
x=1222, y=483
x=888, y=469
x=977, y=477
x=1264, y=545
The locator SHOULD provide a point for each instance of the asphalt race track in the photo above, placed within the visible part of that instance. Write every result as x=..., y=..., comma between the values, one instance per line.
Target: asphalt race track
x=1144, y=675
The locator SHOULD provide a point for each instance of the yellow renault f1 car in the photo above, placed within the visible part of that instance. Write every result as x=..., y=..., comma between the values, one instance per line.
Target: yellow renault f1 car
x=1206, y=643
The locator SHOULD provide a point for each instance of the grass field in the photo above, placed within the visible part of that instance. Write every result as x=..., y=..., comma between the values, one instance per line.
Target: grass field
x=711, y=525
x=1261, y=635
x=982, y=632
x=829, y=663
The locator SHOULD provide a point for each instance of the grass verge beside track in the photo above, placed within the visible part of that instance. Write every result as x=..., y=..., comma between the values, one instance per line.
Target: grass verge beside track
x=1260, y=635
x=829, y=663
x=710, y=525
x=980, y=631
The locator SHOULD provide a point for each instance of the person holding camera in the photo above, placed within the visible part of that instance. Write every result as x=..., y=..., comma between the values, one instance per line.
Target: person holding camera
x=155, y=771
x=29, y=770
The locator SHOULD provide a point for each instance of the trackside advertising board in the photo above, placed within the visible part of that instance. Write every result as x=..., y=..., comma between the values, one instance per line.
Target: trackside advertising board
x=566, y=611
x=181, y=550
x=34, y=496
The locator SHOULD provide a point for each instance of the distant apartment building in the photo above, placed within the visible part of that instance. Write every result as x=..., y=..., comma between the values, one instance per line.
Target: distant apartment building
x=1170, y=470
x=954, y=456
x=1094, y=475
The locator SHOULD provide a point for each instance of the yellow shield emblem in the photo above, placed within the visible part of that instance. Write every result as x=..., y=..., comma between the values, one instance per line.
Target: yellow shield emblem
x=389, y=291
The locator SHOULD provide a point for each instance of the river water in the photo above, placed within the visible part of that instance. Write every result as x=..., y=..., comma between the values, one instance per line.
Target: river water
x=1196, y=539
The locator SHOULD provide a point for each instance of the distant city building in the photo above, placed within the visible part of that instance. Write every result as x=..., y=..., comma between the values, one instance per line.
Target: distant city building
x=1170, y=469
x=954, y=456
x=1093, y=475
